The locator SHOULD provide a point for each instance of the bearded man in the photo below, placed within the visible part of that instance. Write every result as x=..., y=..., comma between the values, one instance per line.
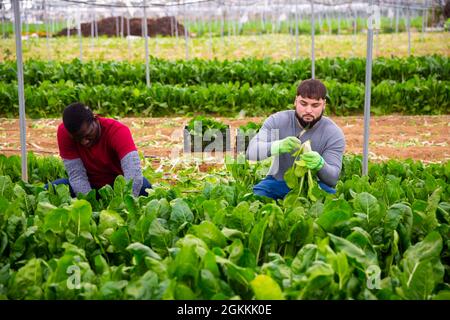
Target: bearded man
x=282, y=134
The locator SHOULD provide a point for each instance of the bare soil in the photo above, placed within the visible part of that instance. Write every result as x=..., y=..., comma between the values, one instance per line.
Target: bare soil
x=114, y=26
x=425, y=138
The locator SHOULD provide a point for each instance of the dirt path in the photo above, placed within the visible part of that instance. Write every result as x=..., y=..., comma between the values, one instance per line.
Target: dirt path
x=425, y=138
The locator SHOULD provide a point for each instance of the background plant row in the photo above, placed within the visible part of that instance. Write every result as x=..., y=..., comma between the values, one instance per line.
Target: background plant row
x=414, y=97
x=204, y=28
x=252, y=71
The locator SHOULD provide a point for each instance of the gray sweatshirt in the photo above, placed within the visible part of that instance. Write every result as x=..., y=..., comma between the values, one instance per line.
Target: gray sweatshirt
x=325, y=136
x=131, y=168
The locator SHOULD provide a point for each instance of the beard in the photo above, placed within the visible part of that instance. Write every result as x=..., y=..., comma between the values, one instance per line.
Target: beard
x=308, y=124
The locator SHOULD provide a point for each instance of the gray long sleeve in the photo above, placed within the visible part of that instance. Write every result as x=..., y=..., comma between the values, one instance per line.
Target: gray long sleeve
x=259, y=146
x=78, y=178
x=131, y=166
x=332, y=153
x=326, y=138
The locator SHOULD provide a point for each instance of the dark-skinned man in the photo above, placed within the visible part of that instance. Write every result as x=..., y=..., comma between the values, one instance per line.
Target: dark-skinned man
x=95, y=150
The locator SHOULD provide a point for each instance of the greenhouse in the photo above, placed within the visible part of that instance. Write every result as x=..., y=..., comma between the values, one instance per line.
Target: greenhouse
x=225, y=150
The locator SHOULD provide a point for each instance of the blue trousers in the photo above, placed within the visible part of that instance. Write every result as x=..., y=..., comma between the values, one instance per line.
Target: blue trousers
x=145, y=185
x=276, y=189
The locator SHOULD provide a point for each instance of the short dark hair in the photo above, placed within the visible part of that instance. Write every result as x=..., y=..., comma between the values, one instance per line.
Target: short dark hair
x=75, y=114
x=312, y=89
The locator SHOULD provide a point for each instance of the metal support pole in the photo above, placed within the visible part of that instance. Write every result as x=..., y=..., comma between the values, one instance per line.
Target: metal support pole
x=121, y=27
x=348, y=19
x=3, y=22
x=377, y=42
x=27, y=25
x=229, y=26
x=186, y=38
x=117, y=27
x=355, y=28
x=92, y=32
x=155, y=40
x=273, y=22
x=211, y=51
x=313, y=27
x=27, y=29
x=46, y=30
x=96, y=26
x=147, y=67
x=367, y=93
x=330, y=29
x=339, y=23
x=263, y=25
x=433, y=15
x=234, y=23
x=142, y=26
x=391, y=23
x=222, y=26
x=291, y=26
x=319, y=18
x=397, y=16
x=408, y=26
x=423, y=22
x=79, y=37
x=176, y=27
x=297, y=39
x=22, y=122
x=128, y=38
x=128, y=26
x=68, y=28
x=53, y=22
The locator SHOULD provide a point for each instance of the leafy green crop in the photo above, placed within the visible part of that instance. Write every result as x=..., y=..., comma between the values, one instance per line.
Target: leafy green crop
x=250, y=126
x=414, y=96
x=252, y=71
x=382, y=236
x=200, y=124
x=300, y=179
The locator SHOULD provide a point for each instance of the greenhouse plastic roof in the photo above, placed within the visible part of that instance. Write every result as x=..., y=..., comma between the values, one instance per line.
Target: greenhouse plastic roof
x=34, y=9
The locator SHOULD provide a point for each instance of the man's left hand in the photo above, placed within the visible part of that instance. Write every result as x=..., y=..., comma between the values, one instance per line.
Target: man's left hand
x=313, y=160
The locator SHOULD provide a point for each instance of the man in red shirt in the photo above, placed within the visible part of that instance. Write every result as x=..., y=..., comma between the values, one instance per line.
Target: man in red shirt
x=96, y=150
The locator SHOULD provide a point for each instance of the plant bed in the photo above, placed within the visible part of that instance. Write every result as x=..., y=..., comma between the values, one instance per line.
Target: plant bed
x=204, y=134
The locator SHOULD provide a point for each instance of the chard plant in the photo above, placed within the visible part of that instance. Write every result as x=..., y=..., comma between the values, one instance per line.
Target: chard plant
x=206, y=123
x=250, y=128
x=300, y=179
x=385, y=236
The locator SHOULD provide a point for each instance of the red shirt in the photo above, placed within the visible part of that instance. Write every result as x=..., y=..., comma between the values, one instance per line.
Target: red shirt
x=102, y=160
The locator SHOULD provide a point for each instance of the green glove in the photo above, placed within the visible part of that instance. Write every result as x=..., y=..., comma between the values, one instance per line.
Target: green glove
x=313, y=160
x=285, y=145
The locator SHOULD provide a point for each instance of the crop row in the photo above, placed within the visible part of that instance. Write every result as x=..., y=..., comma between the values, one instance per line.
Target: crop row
x=414, y=96
x=252, y=71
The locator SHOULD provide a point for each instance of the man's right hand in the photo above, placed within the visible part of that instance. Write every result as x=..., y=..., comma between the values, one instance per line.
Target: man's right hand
x=286, y=145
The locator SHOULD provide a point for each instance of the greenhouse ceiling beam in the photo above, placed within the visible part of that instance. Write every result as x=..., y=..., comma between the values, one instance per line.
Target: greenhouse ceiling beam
x=342, y=6
x=153, y=4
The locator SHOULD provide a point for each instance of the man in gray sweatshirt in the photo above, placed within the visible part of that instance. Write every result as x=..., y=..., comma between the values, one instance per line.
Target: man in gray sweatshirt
x=283, y=132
